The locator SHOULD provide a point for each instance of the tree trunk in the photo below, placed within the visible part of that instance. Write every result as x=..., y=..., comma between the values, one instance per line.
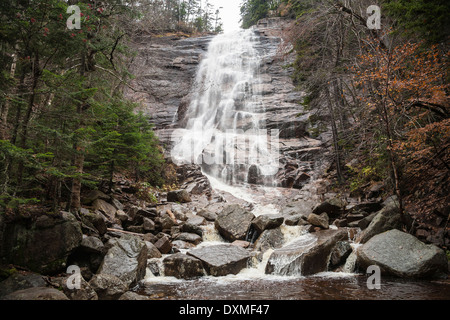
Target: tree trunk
x=75, y=200
x=335, y=137
x=5, y=109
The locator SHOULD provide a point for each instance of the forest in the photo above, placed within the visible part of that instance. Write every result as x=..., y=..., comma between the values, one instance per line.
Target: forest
x=383, y=91
x=64, y=123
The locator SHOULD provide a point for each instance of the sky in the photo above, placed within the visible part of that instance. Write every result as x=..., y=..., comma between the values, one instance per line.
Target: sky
x=230, y=13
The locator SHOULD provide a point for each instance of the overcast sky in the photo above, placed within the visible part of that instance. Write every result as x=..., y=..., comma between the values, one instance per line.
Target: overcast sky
x=230, y=13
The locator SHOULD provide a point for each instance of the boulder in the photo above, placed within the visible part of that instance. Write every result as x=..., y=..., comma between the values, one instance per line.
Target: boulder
x=386, y=219
x=340, y=253
x=192, y=228
x=234, y=222
x=132, y=296
x=84, y=293
x=107, y=209
x=182, y=266
x=306, y=256
x=269, y=239
x=92, y=244
x=126, y=259
x=189, y=237
x=107, y=286
x=94, y=195
x=265, y=222
x=332, y=207
x=221, y=260
x=163, y=245
x=19, y=281
x=297, y=219
x=37, y=293
x=148, y=225
x=181, y=196
x=402, y=255
x=208, y=215
x=321, y=221
x=43, y=245
x=95, y=221
x=179, y=244
x=153, y=252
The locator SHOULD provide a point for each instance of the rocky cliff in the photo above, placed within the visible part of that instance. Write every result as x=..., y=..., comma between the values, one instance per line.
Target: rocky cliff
x=165, y=69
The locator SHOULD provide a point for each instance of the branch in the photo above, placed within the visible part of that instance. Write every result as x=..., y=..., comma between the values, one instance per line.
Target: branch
x=433, y=107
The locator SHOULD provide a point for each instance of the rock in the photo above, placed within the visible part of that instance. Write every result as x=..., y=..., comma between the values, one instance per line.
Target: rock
x=353, y=217
x=132, y=296
x=234, y=222
x=191, y=228
x=386, y=219
x=367, y=207
x=221, y=260
x=340, y=253
x=92, y=245
x=107, y=286
x=94, y=195
x=306, y=256
x=196, y=221
x=376, y=190
x=269, y=239
x=42, y=246
x=179, y=244
x=85, y=293
x=294, y=220
x=153, y=252
x=19, y=281
x=126, y=259
x=189, y=237
x=402, y=255
x=321, y=221
x=96, y=221
x=340, y=223
x=148, y=225
x=117, y=204
x=241, y=243
x=182, y=266
x=364, y=223
x=37, y=293
x=181, y=196
x=164, y=222
x=107, y=209
x=208, y=215
x=254, y=175
x=332, y=207
x=265, y=222
x=122, y=216
x=163, y=245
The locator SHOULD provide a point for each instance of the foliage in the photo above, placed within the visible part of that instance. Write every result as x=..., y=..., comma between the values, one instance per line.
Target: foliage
x=63, y=122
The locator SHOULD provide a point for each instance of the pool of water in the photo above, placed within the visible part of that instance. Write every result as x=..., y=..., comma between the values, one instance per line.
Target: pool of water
x=326, y=286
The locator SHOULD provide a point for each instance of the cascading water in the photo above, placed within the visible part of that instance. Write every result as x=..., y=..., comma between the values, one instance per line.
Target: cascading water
x=225, y=131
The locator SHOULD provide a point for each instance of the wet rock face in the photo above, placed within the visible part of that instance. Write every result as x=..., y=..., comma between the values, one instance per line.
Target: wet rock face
x=165, y=68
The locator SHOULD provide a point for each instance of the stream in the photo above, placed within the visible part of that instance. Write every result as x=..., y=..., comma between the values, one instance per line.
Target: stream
x=226, y=134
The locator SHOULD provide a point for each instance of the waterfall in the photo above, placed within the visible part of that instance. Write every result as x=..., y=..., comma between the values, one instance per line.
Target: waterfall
x=225, y=128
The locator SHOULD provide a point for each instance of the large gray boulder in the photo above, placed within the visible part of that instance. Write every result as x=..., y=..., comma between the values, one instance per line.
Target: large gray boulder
x=308, y=255
x=181, y=196
x=332, y=207
x=126, y=259
x=402, y=255
x=42, y=245
x=222, y=260
x=386, y=219
x=234, y=222
x=182, y=266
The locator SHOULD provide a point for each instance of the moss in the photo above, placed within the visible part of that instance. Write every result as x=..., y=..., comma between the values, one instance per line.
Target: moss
x=6, y=272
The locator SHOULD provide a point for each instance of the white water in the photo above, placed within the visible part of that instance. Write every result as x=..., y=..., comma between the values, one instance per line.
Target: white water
x=225, y=131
